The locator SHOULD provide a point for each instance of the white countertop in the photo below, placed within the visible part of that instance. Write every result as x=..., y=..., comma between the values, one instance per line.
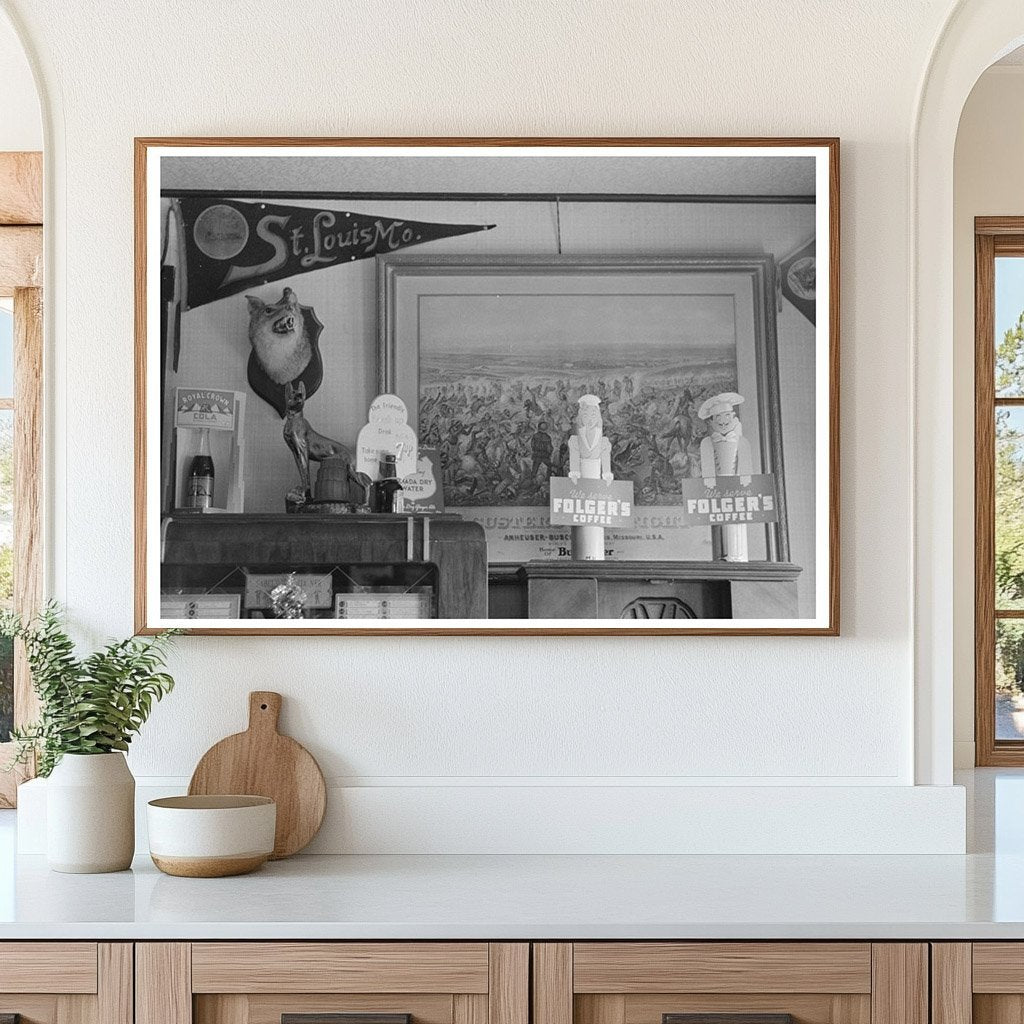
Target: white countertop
x=977, y=896
x=517, y=897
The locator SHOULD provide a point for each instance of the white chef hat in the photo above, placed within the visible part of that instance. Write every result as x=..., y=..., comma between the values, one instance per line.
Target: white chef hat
x=595, y=401
x=719, y=403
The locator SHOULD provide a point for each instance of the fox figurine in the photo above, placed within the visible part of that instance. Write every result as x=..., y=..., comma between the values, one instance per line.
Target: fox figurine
x=278, y=337
x=308, y=445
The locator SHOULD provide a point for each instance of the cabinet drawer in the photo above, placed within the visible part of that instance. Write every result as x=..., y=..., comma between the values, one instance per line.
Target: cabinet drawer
x=64, y=967
x=340, y=967
x=332, y=983
x=754, y=967
x=998, y=967
x=730, y=983
x=66, y=982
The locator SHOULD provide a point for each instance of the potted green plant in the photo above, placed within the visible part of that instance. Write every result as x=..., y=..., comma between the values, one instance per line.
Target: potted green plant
x=90, y=708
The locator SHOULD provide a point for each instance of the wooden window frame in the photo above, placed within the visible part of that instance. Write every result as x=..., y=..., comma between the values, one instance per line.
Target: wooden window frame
x=21, y=278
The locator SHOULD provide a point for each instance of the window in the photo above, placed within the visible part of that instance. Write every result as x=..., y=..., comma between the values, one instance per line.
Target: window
x=999, y=490
x=21, y=253
x=20, y=492
x=6, y=510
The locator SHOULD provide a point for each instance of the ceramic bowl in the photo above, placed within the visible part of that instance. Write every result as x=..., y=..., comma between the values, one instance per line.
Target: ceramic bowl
x=211, y=836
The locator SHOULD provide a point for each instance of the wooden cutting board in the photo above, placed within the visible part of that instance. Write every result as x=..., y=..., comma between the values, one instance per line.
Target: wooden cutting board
x=262, y=762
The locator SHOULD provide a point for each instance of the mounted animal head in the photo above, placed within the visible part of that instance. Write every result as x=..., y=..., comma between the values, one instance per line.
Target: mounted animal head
x=284, y=339
x=281, y=318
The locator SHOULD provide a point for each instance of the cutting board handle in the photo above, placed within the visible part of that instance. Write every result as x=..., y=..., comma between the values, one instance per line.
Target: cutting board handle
x=264, y=710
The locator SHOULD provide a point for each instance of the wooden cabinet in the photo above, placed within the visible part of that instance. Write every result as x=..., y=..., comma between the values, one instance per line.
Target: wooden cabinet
x=494, y=983
x=66, y=982
x=444, y=553
x=977, y=983
x=637, y=589
x=260, y=982
x=759, y=982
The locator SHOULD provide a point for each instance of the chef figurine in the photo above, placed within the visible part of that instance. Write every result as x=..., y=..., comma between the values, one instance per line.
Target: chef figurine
x=726, y=452
x=590, y=458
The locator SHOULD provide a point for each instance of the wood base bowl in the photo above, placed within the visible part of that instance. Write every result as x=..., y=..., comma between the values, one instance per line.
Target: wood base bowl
x=211, y=836
x=208, y=867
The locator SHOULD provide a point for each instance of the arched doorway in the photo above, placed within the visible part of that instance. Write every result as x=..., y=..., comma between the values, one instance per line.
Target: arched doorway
x=976, y=34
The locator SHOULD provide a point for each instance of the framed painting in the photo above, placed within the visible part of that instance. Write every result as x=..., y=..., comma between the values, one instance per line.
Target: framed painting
x=616, y=359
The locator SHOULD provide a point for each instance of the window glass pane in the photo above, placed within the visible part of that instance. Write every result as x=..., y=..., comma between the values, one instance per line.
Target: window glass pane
x=1009, y=480
x=6, y=352
x=6, y=566
x=1009, y=679
x=1009, y=323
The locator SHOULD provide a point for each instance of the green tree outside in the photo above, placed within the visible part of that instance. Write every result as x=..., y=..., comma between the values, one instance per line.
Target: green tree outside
x=1009, y=510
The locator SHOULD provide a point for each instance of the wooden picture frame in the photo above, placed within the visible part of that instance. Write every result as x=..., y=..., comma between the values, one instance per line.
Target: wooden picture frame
x=747, y=280
x=725, y=197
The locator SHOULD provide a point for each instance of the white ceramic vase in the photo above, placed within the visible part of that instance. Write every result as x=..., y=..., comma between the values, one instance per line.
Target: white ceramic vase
x=90, y=814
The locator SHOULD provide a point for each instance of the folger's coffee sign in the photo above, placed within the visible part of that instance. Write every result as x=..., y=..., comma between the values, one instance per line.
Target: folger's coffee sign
x=232, y=245
x=730, y=501
x=591, y=502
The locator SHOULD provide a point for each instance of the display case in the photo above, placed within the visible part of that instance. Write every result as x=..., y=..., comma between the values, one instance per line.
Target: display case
x=642, y=590
x=348, y=566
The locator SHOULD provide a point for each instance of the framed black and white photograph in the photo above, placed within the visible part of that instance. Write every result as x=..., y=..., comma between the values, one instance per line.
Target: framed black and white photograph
x=482, y=386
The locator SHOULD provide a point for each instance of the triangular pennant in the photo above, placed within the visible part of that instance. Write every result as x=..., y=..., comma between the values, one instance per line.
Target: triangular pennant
x=232, y=245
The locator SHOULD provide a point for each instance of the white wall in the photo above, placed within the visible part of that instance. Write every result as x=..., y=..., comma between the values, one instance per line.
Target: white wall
x=462, y=711
x=21, y=127
x=987, y=182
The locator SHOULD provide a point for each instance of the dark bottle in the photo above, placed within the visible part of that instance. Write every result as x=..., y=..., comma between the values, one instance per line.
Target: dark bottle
x=387, y=491
x=199, y=489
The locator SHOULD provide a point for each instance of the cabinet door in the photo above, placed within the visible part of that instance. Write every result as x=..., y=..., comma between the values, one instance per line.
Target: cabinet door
x=981, y=982
x=332, y=983
x=730, y=983
x=65, y=983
